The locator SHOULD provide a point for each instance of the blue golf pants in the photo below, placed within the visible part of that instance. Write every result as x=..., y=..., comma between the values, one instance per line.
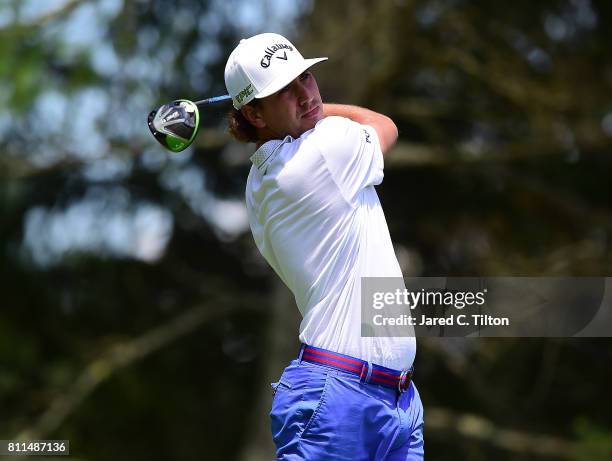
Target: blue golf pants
x=321, y=413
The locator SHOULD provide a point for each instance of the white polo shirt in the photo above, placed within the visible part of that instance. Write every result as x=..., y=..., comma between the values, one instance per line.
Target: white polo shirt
x=317, y=220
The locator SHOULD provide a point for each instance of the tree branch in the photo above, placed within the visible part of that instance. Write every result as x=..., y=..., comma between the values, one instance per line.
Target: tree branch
x=480, y=429
x=116, y=357
x=44, y=19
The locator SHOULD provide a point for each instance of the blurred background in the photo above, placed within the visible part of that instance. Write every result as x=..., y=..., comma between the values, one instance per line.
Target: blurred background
x=137, y=318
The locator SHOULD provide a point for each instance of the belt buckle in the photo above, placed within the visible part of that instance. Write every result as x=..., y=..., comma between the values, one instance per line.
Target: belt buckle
x=404, y=380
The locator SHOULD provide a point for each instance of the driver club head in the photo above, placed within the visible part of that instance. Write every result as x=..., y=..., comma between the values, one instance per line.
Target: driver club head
x=175, y=124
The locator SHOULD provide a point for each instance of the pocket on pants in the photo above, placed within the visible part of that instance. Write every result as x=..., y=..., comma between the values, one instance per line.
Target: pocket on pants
x=295, y=408
x=315, y=401
x=281, y=384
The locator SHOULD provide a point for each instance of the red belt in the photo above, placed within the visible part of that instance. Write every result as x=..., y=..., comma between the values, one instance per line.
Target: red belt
x=368, y=372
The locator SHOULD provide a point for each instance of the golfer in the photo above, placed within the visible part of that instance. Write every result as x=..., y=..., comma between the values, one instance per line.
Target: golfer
x=317, y=220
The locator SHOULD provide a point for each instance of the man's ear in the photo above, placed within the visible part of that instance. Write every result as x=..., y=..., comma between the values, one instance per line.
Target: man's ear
x=253, y=115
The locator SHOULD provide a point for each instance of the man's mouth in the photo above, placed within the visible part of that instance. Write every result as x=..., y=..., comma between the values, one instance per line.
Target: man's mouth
x=312, y=112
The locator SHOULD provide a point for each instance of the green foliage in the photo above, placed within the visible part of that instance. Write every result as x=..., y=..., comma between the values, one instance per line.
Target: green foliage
x=594, y=441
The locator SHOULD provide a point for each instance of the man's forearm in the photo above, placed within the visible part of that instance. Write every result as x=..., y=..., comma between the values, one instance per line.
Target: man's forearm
x=355, y=113
x=384, y=126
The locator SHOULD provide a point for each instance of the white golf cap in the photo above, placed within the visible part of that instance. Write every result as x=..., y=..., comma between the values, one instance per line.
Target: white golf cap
x=262, y=65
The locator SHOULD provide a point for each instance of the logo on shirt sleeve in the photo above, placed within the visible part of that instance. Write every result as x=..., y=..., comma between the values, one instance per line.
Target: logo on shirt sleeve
x=367, y=135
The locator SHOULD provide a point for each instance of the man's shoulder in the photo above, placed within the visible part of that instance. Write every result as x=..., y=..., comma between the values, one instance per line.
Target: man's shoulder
x=333, y=122
x=332, y=131
x=334, y=134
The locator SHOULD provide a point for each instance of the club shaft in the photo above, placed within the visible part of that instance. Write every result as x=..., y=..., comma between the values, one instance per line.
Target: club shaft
x=213, y=100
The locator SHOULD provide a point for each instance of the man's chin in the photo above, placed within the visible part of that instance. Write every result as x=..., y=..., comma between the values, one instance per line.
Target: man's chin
x=310, y=124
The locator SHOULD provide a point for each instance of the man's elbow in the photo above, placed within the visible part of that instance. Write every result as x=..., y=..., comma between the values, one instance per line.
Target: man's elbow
x=394, y=131
x=390, y=135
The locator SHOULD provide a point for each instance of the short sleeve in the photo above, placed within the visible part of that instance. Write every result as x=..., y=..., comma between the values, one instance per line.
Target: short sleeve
x=352, y=153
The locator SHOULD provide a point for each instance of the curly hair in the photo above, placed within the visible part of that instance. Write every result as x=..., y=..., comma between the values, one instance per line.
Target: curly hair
x=239, y=127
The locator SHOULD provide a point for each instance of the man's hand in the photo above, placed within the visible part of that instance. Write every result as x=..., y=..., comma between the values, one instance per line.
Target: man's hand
x=384, y=126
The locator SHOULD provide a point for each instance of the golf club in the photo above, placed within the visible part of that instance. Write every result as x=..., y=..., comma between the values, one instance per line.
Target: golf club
x=175, y=124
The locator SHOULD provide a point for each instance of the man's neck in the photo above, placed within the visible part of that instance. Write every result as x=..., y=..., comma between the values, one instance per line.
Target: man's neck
x=264, y=136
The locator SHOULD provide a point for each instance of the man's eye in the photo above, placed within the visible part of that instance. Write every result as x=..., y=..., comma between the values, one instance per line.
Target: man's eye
x=305, y=75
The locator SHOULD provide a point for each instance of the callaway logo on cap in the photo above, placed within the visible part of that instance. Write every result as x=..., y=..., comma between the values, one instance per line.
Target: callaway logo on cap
x=262, y=65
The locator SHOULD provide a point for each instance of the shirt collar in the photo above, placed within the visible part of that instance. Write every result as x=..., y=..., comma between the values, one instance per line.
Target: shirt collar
x=267, y=151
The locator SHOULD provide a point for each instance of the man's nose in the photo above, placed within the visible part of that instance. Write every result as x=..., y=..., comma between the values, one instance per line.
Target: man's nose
x=303, y=93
